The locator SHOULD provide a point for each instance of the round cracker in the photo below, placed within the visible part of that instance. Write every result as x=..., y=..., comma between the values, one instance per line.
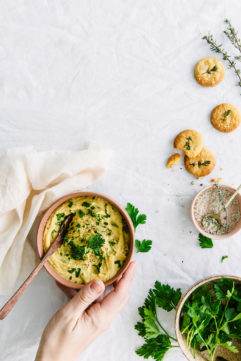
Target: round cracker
x=201, y=165
x=209, y=71
x=190, y=141
x=225, y=117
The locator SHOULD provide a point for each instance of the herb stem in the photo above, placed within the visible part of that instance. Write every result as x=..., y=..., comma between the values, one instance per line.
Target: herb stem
x=232, y=35
x=218, y=49
x=163, y=329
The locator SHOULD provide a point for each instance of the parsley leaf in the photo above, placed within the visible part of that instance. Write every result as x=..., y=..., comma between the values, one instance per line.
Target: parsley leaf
x=205, y=242
x=135, y=216
x=223, y=258
x=155, y=348
x=166, y=297
x=143, y=246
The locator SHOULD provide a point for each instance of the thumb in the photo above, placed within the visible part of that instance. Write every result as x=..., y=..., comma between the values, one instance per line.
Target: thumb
x=83, y=299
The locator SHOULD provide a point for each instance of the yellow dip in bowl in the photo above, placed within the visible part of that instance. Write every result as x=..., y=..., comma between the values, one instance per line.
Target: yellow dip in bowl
x=97, y=241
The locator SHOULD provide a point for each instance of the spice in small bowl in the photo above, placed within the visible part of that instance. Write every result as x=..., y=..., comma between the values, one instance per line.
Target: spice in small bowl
x=211, y=200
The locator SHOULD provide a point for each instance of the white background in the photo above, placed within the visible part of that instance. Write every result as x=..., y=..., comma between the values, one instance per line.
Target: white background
x=119, y=73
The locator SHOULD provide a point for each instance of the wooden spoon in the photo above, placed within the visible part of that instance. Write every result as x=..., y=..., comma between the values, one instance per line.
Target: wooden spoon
x=54, y=246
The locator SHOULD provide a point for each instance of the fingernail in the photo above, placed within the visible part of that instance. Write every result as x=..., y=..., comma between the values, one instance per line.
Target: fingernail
x=97, y=286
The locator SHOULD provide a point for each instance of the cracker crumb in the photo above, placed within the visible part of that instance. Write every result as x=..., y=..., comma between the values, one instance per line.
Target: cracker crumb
x=213, y=180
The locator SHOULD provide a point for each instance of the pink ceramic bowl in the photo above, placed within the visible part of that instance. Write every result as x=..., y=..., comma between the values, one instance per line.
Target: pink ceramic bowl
x=216, y=236
x=50, y=210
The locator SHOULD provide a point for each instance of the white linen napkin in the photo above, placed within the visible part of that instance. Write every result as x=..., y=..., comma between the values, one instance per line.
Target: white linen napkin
x=30, y=181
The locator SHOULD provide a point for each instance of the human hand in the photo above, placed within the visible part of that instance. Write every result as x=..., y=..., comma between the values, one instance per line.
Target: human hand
x=72, y=329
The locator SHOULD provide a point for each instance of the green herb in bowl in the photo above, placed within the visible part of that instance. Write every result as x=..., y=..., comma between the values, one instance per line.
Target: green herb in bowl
x=209, y=321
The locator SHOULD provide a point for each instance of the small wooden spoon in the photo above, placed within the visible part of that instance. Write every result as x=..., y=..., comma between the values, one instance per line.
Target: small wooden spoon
x=54, y=246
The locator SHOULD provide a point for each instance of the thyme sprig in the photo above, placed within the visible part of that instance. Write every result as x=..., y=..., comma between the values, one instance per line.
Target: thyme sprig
x=217, y=48
x=232, y=35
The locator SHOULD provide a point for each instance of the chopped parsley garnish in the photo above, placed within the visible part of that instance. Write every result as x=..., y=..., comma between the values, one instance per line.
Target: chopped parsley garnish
x=204, y=241
x=77, y=272
x=143, y=246
x=86, y=204
x=71, y=270
x=65, y=239
x=114, y=224
x=118, y=262
x=78, y=225
x=70, y=278
x=60, y=216
x=81, y=213
x=107, y=215
x=136, y=218
x=111, y=243
x=91, y=213
x=97, y=266
x=70, y=204
x=106, y=223
x=52, y=233
x=95, y=243
x=76, y=251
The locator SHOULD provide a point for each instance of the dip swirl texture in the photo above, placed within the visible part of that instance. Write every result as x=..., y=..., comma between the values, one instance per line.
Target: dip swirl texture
x=96, y=243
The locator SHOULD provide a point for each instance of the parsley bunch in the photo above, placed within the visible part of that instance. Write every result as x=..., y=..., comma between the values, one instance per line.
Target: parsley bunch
x=157, y=339
x=212, y=317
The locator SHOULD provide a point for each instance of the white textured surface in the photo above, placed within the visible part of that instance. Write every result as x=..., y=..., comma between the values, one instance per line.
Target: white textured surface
x=119, y=73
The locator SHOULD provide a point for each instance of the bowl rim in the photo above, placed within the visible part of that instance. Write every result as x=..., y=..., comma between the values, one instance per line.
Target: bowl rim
x=180, y=305
x=237, y=227
x=49, y=211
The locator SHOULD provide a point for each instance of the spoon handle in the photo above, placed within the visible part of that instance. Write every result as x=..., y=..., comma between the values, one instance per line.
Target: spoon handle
x=54, y=246
x=13, y=300
x=232, y=197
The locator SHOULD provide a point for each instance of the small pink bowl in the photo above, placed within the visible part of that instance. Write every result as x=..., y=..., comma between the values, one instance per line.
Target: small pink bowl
x=50, y=210
x=216, y=236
